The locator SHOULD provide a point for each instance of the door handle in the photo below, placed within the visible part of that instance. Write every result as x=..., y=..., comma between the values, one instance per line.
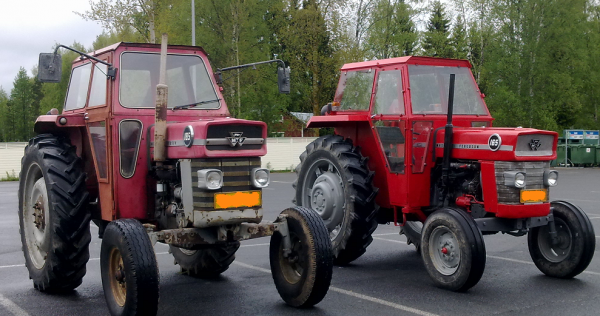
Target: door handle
x=85, y=116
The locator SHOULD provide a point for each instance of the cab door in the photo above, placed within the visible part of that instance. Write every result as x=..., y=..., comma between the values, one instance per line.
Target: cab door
x=388, y=122
x=98, y=124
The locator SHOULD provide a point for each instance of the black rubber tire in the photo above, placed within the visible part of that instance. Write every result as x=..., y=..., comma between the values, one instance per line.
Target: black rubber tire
x=68, y=220
x=412, y=231
x=359, y=221
x=583, y=242
x=208, y=262
x=470, y=242
x=312, y=247
x=130, y=239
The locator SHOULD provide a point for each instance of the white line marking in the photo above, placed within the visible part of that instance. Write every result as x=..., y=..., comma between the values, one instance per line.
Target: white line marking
x=282, y=182
x=353, y=294
x=386, y=234
x=12, y=307
x=576, y=200
x=396, y=241
x=254, y=245
x=595, y=217
x=12, y=266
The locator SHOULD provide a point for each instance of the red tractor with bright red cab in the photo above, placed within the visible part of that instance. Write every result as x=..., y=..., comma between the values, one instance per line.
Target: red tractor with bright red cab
x=146, y=149
x=414, y=145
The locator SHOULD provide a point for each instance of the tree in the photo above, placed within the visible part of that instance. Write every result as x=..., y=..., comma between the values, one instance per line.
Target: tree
x=21, y=98
x=458, y=40
x=436, y=40
x=392, y=32
x=3, y=115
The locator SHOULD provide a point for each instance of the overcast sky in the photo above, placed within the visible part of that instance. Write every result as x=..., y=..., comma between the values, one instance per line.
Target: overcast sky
x=30, y=27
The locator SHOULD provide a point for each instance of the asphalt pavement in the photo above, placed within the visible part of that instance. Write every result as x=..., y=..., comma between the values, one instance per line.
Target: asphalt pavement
x=389, y=279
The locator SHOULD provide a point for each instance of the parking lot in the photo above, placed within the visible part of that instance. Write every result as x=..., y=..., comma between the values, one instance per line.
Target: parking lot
x=389, y=279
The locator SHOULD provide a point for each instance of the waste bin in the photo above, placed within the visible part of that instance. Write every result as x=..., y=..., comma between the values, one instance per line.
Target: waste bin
x=560, y=156
x=597, y=155
x=583, y=155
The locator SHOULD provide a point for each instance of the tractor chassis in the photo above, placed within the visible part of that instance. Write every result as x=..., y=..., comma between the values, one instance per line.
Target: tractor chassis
x=192, y=238
x=495, y=224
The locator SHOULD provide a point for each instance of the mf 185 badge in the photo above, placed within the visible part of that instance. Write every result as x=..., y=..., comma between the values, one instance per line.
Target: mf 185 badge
x=494, y=142
x=188, y=136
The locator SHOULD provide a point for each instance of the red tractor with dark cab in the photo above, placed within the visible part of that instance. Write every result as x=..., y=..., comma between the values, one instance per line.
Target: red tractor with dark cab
x=414, y=145
x=146, y=149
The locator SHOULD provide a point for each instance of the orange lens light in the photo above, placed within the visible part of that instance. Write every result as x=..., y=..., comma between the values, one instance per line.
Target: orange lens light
x=244, y=199
x=534, y=196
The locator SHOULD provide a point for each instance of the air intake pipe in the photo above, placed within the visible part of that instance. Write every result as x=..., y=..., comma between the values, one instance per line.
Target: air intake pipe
x=162, y=95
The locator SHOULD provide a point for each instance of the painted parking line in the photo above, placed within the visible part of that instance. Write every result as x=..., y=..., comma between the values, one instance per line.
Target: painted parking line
x=386, y=234
x=12, y=307
x=353, y=294
x=282, y=182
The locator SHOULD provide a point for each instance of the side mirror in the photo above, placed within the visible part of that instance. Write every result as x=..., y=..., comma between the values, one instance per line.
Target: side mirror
x=283, y=79
x=50, y=67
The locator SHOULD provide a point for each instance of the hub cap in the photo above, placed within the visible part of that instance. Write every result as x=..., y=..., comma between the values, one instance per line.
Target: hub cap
x=35, y=217
x=323, y=191
x=560, y=251
x=444, y=250
x=118, y=281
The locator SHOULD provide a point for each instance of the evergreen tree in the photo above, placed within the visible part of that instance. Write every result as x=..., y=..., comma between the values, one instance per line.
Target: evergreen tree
x=392, y=32
x=437, y=42
x=3, y=115
x=21, y=98
x=458, y=39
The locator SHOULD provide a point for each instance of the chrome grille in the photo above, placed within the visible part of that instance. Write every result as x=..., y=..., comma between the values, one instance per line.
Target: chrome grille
x=534, y=178
x=236, y=177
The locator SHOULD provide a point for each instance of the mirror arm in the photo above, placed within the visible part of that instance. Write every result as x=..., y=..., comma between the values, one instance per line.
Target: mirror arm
x=111, y=70
x=252, y=64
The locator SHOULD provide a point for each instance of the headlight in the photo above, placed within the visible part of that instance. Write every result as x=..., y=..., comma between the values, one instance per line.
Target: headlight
x=260, y=177
x=514, y=179
x=210, y=179
x=551, y=177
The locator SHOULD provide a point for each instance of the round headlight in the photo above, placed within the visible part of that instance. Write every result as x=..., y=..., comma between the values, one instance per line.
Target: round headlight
x=261, y=178
x=519, y=180
x=552, y=178
x=213, y=180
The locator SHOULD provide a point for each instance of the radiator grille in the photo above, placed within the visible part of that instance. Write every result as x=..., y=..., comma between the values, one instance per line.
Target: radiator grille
x=236, y=177
x=534, y=178
x=224, y=131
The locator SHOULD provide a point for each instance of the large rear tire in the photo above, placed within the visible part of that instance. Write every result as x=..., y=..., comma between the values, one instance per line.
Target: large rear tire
x=576, y=242
x=205, y=263
x=453, y=249
x=333, y=180
x=302, y=278
x=129, y=269
x=412, y=230
x=53, y=217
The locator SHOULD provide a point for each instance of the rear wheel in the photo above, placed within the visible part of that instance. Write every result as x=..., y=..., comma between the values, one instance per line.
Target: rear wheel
x=412, y=230
x=453, y=249
x=303, y=276
x=334, y=181
x=129, y=269
x=576, y=242
x=208, y=262
x=53, y=217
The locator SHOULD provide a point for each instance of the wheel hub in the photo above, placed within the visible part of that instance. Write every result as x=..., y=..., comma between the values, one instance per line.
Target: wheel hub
x=559, y=251
x=35, y=218
x=445, y=251
x=38, y=214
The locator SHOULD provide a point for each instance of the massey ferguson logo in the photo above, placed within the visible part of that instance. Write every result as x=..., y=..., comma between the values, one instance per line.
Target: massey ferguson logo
x=236, y=139
x=534, y=144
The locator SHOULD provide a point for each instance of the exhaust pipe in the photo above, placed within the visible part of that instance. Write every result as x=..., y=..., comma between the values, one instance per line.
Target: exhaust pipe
x=162, y=95
x=448, y=144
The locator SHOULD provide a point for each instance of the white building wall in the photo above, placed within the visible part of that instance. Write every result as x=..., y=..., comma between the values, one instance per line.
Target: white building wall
x=10, y=158
x=282, y=154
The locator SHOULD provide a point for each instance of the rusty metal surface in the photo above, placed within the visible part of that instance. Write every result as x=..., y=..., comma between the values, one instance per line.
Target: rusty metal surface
x=230, y=217
x=160, y=127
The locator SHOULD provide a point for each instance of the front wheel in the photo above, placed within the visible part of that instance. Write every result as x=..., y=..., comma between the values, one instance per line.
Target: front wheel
x=453, y=249
x=129, y=269
x=302, y=277
x=575, y=246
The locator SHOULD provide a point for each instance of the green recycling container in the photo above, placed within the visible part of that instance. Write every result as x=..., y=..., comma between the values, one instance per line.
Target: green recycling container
x=597, y=155
x=560, y=156
x=583, y=155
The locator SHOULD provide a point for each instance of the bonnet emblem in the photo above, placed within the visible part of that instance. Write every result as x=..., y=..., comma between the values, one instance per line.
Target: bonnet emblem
x=236, y=139
x=534, y=144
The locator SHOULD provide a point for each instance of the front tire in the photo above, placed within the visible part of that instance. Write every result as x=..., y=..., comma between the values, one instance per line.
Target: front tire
x=129, y=269
x=453, y=249
x=302, y=278
x=205, y=263
x=576, y=242
x=333, y=180
x=53, y=217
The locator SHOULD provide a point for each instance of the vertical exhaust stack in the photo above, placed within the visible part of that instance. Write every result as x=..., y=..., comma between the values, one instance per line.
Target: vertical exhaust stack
x=162, y=94
x=448, y=144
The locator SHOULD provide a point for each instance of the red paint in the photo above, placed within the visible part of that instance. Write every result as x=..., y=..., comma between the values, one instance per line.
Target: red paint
x=445, y=250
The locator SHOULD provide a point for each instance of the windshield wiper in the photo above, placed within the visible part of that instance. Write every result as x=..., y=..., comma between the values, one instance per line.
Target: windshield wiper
x=191, y=105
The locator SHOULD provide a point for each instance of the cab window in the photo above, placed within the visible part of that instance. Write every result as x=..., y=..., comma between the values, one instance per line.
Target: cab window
x=354, y=90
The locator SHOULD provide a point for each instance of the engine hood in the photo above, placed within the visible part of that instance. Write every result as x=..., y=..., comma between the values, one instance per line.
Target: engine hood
x=500, y=144
x=215, y=137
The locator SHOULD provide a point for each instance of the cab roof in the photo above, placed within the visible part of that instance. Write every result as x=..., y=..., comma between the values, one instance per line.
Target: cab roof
x=115, y=46
x=414, y=60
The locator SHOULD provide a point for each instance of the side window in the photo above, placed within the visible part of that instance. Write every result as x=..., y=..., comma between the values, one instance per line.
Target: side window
x=422, y=131
x=389, y=98
x=99, y=82
x=130, y=132
x=98, y=136
x=78, y=87
x=354, y=90
x=392, y=142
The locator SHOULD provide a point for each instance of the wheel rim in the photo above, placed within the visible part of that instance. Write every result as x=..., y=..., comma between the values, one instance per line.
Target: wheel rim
x=444, y=250
x=560, y=251
x=323, y=191
x=36, y=217
x=292, y=266
x=116, y=274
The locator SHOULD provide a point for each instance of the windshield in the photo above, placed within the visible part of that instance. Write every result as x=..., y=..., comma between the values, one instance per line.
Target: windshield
x=429, y=90
x=354, y=90
x=187, y=79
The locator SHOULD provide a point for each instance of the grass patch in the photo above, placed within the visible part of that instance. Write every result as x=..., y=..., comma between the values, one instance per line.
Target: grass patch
x=10, y=177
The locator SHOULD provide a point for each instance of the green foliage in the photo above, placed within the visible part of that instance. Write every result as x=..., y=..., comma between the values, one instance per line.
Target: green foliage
x=10, y=177
x=437, y=42
x=392, y=31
